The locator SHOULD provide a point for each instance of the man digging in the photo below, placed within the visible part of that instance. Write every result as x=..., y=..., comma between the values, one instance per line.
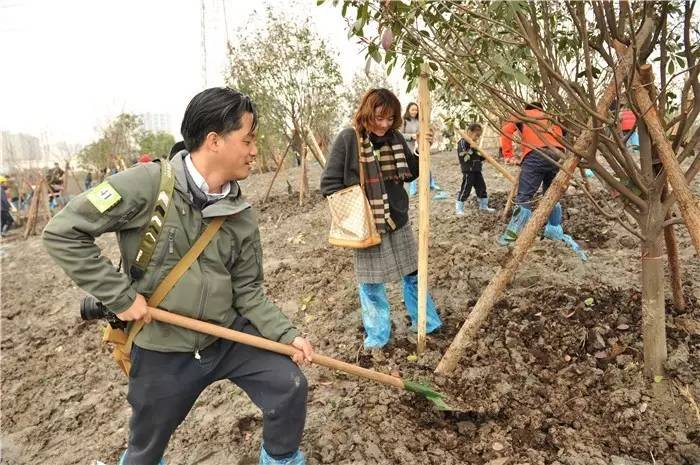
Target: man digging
x=171, y=366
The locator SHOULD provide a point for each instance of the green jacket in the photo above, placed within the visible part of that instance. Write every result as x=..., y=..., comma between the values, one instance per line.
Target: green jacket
x=226, y=280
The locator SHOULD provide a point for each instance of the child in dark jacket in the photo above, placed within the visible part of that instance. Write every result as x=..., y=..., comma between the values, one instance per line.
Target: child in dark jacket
x=471, y=164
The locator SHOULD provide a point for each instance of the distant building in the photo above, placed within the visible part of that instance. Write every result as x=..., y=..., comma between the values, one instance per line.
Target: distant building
x=156, y=122
x=23, y=151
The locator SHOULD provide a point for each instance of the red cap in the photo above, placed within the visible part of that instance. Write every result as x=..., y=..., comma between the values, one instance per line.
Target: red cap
x=145, y=158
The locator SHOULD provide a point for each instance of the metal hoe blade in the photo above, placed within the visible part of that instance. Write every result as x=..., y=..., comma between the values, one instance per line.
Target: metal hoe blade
x=437, y=398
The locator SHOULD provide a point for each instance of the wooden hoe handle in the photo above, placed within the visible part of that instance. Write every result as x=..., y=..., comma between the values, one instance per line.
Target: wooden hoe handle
x=272, y=346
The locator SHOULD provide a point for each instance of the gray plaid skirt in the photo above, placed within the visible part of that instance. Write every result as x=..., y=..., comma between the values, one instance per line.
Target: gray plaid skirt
x=395, y=257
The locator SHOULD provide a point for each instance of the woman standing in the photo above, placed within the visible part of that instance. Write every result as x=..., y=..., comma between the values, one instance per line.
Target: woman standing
x=388, y=163
x=410, y=130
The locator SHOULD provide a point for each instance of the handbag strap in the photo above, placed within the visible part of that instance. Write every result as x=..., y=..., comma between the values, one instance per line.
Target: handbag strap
x=359, y=159
x=175, y=274
x=369, y=218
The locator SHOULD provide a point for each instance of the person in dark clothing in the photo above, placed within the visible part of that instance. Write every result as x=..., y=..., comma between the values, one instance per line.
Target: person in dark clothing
x=6, y=220
x=388, y=163
x=541, y=140
x=471, y=164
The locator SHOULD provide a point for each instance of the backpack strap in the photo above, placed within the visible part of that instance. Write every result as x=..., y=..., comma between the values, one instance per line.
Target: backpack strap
x=149, y=237
x=176, y=273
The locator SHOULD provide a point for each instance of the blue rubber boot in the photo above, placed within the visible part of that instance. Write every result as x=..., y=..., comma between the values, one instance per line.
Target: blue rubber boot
x=521, y=215
x=484, y=205
x=433, y=184
x=410, y=297
x=295, y=459
x=376, y=317
x=122, y=459
x=459, y=208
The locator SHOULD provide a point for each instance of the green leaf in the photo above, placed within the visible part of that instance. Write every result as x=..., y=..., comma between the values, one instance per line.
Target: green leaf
x=520, y=77
x=412, y=358
x=658, y=378
x=589, y=302
x=373, y=51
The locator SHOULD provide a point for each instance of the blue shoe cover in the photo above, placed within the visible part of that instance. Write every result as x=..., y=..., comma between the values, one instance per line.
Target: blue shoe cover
x=375, y=314
x=440, y=195
x=556, y=233
x=410, y=297
x=296, y=459
x=122, y=459
x=521, y=215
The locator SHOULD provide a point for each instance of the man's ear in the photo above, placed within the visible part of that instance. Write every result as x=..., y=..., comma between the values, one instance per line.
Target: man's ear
x=212, y=141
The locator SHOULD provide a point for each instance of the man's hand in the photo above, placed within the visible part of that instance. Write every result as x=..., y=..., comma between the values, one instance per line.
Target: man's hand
x=305, y=352
x=137, y=311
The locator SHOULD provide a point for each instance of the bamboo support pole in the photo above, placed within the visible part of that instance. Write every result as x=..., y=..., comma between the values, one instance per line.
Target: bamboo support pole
x=423, y=202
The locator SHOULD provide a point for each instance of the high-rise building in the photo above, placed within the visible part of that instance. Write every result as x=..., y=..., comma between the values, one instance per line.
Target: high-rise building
x=156, y=122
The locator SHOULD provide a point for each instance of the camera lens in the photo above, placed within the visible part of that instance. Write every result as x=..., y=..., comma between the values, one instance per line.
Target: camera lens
x=91, y=308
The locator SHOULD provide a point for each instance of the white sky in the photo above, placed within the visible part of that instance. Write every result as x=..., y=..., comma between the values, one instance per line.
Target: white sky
x=72, y=65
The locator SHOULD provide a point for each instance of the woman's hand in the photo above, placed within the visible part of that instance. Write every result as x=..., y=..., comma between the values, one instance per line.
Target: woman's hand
x=305, y=352
x=428, y=136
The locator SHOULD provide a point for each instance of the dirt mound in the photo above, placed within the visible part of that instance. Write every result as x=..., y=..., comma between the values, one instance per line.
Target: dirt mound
x=554, y=376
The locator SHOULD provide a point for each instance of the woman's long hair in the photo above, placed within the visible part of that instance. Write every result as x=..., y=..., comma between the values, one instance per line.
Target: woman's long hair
x=407, y=115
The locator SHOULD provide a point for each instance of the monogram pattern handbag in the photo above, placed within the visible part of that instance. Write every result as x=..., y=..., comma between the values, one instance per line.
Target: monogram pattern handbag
x=352, y=223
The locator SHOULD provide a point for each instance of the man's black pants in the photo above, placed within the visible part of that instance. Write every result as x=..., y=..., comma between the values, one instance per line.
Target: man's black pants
x=163, y=386
x=535, y=171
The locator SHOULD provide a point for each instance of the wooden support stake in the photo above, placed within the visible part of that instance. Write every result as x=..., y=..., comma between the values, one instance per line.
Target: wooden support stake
x=674, y=266
x=500, y=168
x=423, y=202
x=303, y=178
x=511, y=196
x=277, y=171
x=561, y=182
x=314, y=147
x=38, y=209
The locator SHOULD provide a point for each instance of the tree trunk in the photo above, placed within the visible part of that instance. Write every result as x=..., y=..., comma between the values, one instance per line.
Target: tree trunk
x=651, y=225
x=653, y=308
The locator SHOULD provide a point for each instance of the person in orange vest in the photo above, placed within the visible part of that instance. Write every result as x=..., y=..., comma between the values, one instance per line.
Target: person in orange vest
x=540, y=139
x=628, y=127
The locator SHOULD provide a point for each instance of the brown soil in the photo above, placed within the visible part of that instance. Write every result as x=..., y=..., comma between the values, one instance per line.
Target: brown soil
x=550, y=379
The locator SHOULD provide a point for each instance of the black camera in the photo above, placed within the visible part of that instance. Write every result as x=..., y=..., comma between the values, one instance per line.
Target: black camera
x=93, y=309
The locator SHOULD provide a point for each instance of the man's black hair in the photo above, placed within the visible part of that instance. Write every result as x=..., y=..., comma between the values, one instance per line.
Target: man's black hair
x=218, y=109
x=534, y=106
x=473, y=127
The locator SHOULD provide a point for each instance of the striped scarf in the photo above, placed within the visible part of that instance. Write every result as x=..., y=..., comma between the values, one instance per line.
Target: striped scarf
x=388, y=163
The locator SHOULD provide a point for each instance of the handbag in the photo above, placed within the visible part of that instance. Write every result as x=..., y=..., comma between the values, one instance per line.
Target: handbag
x=352, y=222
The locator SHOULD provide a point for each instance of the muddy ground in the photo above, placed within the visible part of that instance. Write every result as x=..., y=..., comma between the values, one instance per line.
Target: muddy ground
x=553, y=378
